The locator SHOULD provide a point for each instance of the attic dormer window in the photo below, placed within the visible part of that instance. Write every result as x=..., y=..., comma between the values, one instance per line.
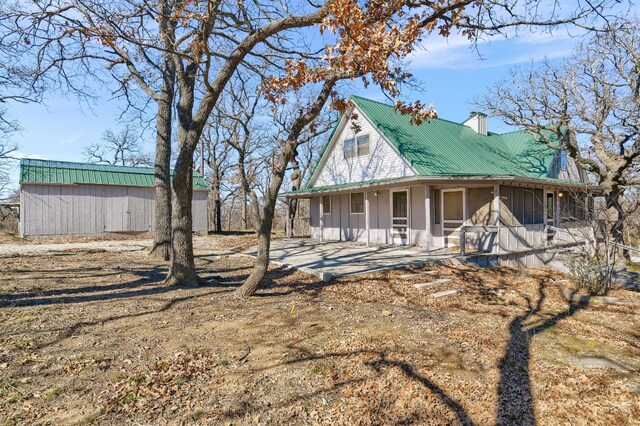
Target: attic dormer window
x=356, y=147
x=563, y=160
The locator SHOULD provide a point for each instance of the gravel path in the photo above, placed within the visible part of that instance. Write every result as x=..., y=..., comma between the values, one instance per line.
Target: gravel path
x=208, y=244
x=107, y=245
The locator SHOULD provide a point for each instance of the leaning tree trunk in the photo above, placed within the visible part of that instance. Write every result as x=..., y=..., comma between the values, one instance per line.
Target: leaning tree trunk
x=259, y=272
x=614, y=200
x=162, y=176
x=296, y=181
x=252, y=284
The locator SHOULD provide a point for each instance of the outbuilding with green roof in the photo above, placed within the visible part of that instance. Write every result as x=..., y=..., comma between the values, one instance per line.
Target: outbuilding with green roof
x=67, y=198
x=382, y=180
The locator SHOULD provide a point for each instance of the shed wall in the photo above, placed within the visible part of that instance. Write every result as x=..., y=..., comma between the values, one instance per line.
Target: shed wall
x=95, y=210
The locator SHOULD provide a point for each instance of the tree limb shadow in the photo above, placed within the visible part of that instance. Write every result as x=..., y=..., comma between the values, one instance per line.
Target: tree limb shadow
x=515, y=398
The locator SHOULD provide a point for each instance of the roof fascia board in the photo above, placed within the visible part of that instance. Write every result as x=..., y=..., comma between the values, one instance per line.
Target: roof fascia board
x=447, y=180
x=330, y=145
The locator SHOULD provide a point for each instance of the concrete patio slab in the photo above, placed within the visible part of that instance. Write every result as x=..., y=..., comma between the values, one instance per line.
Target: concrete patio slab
x=327, y=260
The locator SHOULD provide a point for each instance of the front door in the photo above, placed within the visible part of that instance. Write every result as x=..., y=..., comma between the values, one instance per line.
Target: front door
x=399, y=217
x=453, y=214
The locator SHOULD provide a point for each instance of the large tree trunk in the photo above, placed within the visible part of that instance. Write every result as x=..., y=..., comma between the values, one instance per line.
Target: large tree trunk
x=162, y=235
x=245, y=213
x=162, y=179
x=183, y=269
x=614, y=201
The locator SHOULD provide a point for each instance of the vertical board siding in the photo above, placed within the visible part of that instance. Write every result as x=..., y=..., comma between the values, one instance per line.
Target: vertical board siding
x=95, y=209
x=382, y=162
x=418, y=216
x=314, y=217
x=199, y=209
x=344, y=217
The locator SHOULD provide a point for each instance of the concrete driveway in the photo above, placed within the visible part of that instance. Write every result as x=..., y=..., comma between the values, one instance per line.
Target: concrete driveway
x=336, y=259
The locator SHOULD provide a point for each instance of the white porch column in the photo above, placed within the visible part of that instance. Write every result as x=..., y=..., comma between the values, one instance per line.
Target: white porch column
x=556, y=209
x=427, y=209
x=409, y=224
x=321, y=207
x=287, y=224
x=496, y=219
x=366, y=215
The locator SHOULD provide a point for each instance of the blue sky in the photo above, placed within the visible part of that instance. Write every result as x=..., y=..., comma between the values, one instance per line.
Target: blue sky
x=450, y=72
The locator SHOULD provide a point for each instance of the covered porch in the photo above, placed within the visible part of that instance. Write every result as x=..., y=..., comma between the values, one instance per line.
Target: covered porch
x=463, y=215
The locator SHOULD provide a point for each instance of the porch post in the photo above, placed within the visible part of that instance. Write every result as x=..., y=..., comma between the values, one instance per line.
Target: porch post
x=545, y=234
x=322, y=217
x=556, y=208
x=496, y=218
x=409, y=224
x=366, y=214
x=287, y=225
x=427, y=209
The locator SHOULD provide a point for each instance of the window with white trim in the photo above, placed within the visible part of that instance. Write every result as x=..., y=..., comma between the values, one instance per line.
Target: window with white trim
x=357, y=202
x=326, y=204
x=356, y=147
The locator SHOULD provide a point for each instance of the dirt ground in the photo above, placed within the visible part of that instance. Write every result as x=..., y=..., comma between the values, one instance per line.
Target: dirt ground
x=94, y=337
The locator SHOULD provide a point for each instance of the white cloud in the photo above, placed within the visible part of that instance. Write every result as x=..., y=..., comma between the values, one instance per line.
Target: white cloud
x=457, y=52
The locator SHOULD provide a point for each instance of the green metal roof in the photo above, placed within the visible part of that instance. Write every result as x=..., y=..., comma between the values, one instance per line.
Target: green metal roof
x=45, y=171
x=444, y=148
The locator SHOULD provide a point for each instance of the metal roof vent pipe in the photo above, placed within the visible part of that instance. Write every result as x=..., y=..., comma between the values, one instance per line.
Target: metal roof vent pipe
x=478, y=122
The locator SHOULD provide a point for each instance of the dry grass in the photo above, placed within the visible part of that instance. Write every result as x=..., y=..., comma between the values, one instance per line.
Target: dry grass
x=96, y=338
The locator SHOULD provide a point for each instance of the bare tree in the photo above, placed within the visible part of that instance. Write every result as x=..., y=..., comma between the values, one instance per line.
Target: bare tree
x=216, y=38
x=68, y=46
x=216, y=152
x=588, y=106
x=7, y=162
x=306, y=155
x=123, y=149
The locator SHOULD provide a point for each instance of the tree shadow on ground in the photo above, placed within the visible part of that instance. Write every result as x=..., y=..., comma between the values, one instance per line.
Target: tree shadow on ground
x=378, y=364
x=515, y=398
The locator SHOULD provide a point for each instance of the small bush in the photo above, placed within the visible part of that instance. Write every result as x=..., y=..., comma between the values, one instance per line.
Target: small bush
x=592, y=273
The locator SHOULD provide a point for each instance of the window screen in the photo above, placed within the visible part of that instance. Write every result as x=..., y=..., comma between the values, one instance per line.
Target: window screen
x=357, y=202
x=363, y=145
x=436, y=206
x=349, y=148
x=538, y=206
x=528, y=206
x=506, y=209
x=326, y=204
x=517, y=204
x=480, y=200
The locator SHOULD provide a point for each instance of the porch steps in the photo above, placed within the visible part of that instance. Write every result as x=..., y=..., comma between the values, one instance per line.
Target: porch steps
x=417, y=275
x=441, y=281
x=445, y=293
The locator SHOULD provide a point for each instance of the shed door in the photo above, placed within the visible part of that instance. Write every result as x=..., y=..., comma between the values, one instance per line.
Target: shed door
x=116, y=207
x=138, y=211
